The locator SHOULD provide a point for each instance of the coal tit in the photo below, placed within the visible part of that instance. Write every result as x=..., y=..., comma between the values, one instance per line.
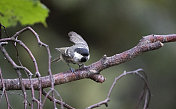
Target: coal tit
x=76, y=54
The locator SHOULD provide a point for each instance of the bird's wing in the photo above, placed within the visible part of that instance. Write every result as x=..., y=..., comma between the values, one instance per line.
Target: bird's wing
x=76, y=38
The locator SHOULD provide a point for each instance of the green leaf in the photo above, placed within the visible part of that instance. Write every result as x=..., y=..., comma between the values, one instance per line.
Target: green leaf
x=27, y=12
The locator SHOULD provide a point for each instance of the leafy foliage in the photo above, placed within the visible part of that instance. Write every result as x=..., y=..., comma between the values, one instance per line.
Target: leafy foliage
x=23, y=11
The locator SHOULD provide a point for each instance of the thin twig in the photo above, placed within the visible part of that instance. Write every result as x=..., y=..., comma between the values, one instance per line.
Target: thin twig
x=50, y=74
x=26, y=48
x=17, y=70
x=137, y=72
x=33, y=94
x=57, y=93
x=57, y=101
x=48, y=94
x=147, y=93
x=23, y=88
x=20, y=77
x=10, y=60
x=14, y=38
x=4, y=92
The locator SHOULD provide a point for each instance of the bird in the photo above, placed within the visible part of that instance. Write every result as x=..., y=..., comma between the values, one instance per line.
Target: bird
x=75, y=54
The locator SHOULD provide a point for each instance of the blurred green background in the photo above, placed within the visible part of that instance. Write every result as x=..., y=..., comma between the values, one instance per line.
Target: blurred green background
x=109, y=27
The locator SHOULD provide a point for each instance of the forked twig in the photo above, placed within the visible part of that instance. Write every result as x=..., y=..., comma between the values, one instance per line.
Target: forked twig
x=48, y=94
x=17, y=68
x=14, y=39
x=57, y=101
x=138, y=73
x=35, y=63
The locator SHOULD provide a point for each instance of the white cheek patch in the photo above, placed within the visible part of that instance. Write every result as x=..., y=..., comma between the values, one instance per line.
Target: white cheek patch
x=88, y=57
x=77, y=55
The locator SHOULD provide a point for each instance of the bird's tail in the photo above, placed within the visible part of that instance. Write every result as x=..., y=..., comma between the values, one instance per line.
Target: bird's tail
x=56, y=59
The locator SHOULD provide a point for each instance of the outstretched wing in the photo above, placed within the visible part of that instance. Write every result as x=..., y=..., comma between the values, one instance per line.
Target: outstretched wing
x=76, y=38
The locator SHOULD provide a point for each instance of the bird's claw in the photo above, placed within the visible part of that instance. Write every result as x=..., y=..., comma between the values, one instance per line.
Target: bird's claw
x=81, y=65
x=72, y=70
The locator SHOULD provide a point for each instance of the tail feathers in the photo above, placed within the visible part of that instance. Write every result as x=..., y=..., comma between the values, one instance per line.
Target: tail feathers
x=56, y=60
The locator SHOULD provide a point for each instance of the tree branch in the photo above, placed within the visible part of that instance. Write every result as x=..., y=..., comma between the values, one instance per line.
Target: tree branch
x=147, y=43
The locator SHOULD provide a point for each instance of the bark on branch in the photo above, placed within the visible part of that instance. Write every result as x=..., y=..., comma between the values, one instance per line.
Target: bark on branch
x=147, y=43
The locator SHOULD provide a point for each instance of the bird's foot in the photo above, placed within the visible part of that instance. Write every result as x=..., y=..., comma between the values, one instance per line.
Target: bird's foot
x=81, y=66
x=72, y=70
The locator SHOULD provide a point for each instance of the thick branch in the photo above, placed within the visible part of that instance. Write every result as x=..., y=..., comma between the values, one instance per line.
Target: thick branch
x=147, y=43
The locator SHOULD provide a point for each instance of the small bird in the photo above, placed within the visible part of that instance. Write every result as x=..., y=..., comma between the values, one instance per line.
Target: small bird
x=76, y=54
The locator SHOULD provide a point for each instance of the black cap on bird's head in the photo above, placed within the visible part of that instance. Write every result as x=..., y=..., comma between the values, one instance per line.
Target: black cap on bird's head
x=82, y=51
x=81, y=54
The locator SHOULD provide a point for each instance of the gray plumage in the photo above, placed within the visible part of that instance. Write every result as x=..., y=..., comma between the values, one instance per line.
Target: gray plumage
x=76, y=38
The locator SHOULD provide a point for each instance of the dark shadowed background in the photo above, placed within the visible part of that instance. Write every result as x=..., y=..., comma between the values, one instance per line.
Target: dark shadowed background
x=109, y=27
